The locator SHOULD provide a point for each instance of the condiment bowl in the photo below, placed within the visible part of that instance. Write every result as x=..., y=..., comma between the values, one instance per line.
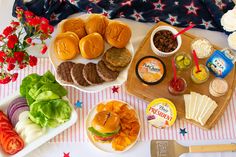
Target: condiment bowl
x=161, y=53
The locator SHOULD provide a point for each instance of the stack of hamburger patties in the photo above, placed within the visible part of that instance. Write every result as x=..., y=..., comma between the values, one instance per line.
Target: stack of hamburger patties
x=90, y=43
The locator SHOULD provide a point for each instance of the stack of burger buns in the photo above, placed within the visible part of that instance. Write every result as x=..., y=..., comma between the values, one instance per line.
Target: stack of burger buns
x=87, y=38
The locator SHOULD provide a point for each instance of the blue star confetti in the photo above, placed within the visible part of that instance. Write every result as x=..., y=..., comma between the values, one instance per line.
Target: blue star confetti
x=183, y=131
x=78, y=104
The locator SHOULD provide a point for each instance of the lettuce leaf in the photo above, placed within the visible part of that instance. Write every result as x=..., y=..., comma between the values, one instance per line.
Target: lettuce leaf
x=28, y=82
x=50, y=113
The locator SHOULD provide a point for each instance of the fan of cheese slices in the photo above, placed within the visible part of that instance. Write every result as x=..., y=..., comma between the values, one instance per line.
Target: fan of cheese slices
x=199, y=107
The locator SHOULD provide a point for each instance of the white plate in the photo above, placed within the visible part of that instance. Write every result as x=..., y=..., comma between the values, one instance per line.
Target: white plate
x=50, y=133
x=106, y=147
x=79, y=59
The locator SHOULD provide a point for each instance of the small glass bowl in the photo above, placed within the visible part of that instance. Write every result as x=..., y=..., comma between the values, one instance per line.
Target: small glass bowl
x=196, y=79
x=179, y=82
x=182, y=64
x=201, y=47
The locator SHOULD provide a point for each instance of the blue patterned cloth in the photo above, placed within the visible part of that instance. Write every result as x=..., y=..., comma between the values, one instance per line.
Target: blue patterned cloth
x=206, y=14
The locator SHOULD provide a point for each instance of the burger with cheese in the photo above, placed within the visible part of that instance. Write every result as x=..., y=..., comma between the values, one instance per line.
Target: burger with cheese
x=105, y=126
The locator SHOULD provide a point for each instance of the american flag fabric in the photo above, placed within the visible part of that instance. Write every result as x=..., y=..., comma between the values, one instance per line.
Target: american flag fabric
x=206, y=14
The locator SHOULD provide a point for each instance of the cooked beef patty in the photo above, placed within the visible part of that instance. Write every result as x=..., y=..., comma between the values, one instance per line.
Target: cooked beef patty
x=77, y=75
x=90, y=74
x=63, y=71
x=105, y=73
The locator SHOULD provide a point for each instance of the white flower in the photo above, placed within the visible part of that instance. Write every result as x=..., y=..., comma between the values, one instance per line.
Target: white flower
x=228, y=20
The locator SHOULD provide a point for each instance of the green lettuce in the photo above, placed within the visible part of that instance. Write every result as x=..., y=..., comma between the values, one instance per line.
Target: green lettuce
x=50, y=113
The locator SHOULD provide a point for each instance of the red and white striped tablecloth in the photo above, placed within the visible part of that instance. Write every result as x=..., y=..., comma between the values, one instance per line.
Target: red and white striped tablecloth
x=225, y=128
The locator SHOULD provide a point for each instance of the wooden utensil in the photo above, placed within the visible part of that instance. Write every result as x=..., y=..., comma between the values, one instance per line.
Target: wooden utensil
x=170, y=148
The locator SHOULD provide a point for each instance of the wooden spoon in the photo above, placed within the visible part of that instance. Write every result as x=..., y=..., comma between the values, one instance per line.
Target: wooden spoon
x=170, y=148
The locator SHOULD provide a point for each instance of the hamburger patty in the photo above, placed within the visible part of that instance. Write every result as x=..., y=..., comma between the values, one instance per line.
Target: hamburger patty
x=105, y=73
x=63, y=71
x=118, y=57
x=77, y=75
x=111, y=67
x=90, y=74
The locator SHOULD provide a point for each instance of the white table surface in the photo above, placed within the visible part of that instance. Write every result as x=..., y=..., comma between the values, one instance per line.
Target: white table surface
x=141, y=149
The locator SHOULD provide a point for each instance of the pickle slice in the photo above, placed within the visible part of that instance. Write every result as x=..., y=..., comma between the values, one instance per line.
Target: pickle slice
x=187, y=61
x=179, y=58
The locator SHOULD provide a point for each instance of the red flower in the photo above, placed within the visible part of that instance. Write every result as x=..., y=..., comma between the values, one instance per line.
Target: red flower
x=50, y=29
x=2, y=54
x=7, y=31
x=19, y=56
x=44, y=20
x=15, y=24
x=34, y=21
x=5, y=80
x=33, y=44
x=28, y=40
x=2, y=59
x=12, y=40
x=10, y=67
x=10, y=60
x=33, y=61
x=28, y=14
x=44, y=49
x=44, y=28
x=14, y=77
x=22, y=65
x=1, y=37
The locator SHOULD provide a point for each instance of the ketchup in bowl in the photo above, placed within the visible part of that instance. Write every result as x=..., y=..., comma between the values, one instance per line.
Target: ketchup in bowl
x=177, y=86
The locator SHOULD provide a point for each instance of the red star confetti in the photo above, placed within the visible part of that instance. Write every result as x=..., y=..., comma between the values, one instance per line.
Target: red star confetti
x=159, y=5
x=192, y=9
x=115, y=89
x=220, y=4
x=66, y=155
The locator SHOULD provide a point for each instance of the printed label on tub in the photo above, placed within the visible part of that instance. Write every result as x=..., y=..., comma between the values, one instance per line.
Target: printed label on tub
x=161, y=113
x=219, y=64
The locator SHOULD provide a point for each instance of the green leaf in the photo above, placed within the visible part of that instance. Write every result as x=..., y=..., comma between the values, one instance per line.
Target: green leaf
x=50, y=113
x=47, y=95
x=48, y=78
x=28, y=82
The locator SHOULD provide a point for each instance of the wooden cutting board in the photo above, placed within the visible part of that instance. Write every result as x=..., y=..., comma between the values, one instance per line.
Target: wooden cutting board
x=149, y=92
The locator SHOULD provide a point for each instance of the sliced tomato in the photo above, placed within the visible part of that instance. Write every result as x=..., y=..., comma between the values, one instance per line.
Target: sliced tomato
x=6, y=134
x=104, y=138
x=5, y=124
x=13, y=144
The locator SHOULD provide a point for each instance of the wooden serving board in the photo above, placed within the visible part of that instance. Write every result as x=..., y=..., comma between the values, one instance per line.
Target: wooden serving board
x=149, y=92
